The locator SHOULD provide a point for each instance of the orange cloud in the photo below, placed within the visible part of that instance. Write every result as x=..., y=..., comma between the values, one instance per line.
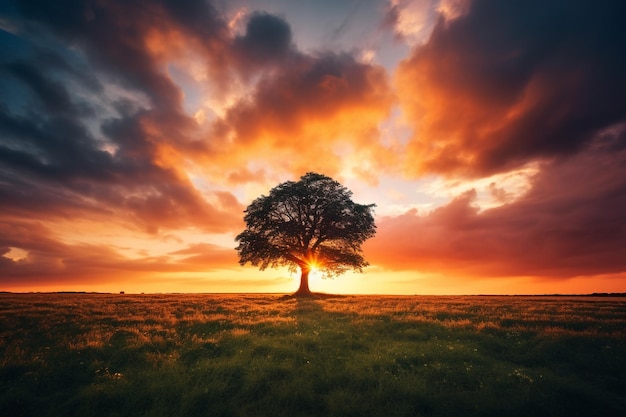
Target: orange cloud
x=312, y=115
x=555, y=230
x=497, y=87
x=46, y=260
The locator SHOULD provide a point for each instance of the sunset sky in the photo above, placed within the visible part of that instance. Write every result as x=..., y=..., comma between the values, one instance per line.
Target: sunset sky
x=491, y=135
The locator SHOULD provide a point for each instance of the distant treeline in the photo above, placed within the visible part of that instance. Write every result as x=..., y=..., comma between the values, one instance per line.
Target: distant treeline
x=608, y=294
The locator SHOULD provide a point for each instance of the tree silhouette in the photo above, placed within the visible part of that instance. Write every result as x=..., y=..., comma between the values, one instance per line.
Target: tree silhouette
x=308, y=224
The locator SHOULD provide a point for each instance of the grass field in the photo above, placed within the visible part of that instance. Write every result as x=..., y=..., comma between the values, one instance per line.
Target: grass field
x=261, y=355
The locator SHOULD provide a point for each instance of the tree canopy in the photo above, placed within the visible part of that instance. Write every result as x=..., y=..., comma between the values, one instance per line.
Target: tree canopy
x=306, y=224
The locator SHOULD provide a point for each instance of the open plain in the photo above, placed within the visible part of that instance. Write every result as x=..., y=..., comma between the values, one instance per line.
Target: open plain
x=256, y=355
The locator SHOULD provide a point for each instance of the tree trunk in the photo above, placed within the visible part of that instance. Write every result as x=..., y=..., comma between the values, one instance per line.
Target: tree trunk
x=304, y=291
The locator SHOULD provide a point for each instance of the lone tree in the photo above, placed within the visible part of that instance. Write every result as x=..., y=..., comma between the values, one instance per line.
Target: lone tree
x=308, y=224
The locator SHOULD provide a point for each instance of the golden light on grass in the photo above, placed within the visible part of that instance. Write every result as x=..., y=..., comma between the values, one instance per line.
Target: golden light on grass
x=493, y=351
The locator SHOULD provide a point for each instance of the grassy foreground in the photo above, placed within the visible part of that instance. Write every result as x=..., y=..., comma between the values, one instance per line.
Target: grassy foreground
x=261, y=355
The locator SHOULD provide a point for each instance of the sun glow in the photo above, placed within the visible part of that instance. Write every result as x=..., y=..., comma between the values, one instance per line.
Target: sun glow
x=315, y=271
x=315, y=268
x=314, y=265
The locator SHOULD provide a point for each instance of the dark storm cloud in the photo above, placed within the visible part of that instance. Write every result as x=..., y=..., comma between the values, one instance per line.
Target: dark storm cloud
x=54, y=97
x=60, y=175
x=513, y=81
x=267, y=39
x=57, y=148
x=62, y=155
x=114, y=34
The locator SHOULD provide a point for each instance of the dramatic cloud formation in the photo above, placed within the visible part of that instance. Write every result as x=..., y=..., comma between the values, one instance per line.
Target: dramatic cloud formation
x=567, y=225
x=509, y=82
x=501, y=85
x=134, y=133
x=326, y=105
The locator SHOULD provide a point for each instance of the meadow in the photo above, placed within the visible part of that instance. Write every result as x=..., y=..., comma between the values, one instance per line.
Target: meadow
x=261, y=355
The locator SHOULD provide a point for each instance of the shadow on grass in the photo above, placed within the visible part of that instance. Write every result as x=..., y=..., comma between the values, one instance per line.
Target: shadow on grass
x=310, y=297
x=310, y=304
